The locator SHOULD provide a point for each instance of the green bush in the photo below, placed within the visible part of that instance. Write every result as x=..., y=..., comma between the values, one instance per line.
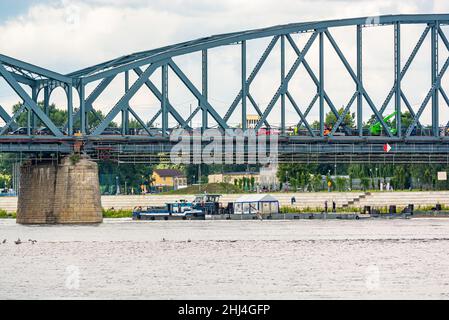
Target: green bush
x=365, y=182
x=341, y=183
x=7, y=215
x=74, y=158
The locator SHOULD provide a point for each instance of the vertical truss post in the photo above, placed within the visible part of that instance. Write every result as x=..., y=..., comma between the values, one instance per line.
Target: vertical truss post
x=397, y=65
x=360, y=82
x=34, y=93
x=321, y=84
x=435, y=69
x=29, y=131
x=164, y=99
x=47, y=99
x=125, y=111
x=244, y=87
x=82, y=94
x=205, y=89
x=282, y=81
x=70, y=109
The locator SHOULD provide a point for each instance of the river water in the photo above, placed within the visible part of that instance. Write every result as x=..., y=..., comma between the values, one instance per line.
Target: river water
x=305, y=259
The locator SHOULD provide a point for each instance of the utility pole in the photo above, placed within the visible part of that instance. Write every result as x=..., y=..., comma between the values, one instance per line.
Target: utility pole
x=199, y=177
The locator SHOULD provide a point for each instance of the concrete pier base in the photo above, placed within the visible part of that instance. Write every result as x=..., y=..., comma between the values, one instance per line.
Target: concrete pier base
x=59, y=193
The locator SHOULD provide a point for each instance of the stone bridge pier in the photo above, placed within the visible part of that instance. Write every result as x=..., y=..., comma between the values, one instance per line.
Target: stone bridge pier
x=67, y=192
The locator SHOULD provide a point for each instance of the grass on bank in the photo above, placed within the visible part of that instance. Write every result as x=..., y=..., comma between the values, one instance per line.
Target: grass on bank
x=109, y=213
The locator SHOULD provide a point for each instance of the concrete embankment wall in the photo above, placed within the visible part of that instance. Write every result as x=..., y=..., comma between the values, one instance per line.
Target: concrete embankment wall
x=303, y=200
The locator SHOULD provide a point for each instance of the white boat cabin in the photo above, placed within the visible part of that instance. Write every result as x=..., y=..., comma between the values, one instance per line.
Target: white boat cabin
x=256, y=204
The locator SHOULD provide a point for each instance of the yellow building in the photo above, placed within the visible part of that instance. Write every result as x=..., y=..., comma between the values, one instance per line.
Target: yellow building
x=164, y=179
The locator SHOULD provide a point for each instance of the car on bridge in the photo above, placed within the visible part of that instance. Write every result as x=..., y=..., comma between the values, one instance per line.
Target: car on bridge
x=22, y=131
x=153, y=131
x=111, y=132
x=43, y=131
x=268, y=132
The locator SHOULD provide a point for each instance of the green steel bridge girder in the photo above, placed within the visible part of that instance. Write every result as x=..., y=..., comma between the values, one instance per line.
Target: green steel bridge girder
x=19, y=74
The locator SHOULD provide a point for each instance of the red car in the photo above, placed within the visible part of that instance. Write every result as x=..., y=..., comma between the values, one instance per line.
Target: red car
x=268, y=132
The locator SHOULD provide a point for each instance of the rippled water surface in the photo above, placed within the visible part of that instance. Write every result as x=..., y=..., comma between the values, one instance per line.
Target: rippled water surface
x=305, y=259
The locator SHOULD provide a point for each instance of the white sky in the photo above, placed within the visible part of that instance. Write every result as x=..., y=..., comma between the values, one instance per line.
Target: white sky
x=68, y=35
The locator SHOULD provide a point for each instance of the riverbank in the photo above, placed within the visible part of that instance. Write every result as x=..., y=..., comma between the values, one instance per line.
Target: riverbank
x=318, y=215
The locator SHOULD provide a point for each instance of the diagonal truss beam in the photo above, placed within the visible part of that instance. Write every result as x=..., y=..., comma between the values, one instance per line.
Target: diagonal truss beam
x=158, y=113
x=95, y=94
x=251, y=77
x=341, y=118
x=314, y=79
x=287, y=79
x=123, y=102
x=298, y=110
x=5, y=116
x=445, y=97
x=409, y=107
x=197, y=109
x=309, y=108
x=405, y=68
x=13, y=119
x=435, y=86
x=256, y=107
x=357, y=81
x=203, y=101
x=31, y=105
x=140, y=121
x=150, y=85
x=443, y=37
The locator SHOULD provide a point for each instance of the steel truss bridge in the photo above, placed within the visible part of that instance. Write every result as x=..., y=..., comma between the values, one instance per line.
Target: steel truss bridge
x=311, y=144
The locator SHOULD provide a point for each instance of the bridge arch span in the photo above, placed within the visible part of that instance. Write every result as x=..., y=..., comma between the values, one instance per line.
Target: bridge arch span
x=143, y=65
